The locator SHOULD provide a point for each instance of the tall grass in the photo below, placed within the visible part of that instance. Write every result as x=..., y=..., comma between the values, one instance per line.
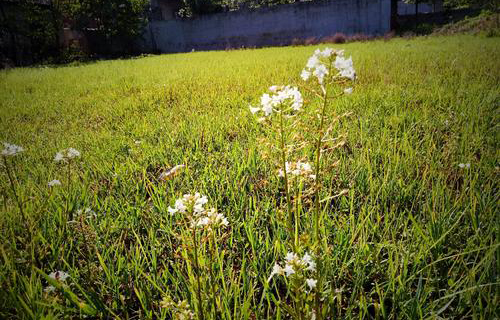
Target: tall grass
x=415, y=236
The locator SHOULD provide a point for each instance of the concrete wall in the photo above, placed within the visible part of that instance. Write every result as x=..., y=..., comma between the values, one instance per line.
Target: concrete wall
x=277, y=25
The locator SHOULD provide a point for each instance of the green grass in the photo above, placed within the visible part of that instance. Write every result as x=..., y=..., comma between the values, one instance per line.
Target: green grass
x=416, y=236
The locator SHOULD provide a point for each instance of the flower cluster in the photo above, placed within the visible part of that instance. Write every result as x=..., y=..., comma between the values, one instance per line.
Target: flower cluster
x=59, y=276
x=464, y=165
x=189, y=202
x=66, y=154
x=318, y=65
x=54, y=183
x=211, y=219
x=280, y=95
x=199, y=216
x=295, y=265
x=11, y=149
x=297, y=169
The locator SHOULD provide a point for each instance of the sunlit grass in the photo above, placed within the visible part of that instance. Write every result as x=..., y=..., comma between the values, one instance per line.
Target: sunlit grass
x=415, y=236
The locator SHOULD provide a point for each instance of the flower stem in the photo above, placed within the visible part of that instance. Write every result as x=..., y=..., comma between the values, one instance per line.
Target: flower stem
x=197, y=272
x=212, y=279
x=283, y=165
x=68, y=192
x=317, y=216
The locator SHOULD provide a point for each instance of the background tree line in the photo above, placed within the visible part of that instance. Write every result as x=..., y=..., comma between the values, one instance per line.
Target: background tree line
x=33, y=31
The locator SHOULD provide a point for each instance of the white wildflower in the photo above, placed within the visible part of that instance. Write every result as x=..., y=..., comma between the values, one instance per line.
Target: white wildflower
x=254, y=110
x=211, y=219
x=59, y=157
x=297, y=169
x=317, y=64
x=282, y=95
x=273, y=88
x=11, y=150
x=345, y=67
x=288, y=270
x=66, y=154
x=73, y=153
x=59, y=275
x=305, y=75
x=348, y=90
x=290, y=256
x=320, y=72
x=277, y=269
x=311, y=283
x=54, y=183
x=327, y=52
x=313, y=62
x=464, y=165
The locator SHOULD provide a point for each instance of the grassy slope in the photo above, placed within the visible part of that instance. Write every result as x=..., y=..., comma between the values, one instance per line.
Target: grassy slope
x=414, y=233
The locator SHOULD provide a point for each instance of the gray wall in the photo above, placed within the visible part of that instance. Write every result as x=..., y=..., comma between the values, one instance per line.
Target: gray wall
x=277, y=25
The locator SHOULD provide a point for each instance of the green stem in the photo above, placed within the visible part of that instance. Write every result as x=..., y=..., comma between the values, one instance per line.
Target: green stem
x=68, y=192
x=212, y=279
x=317, y=216
x=317, y=167
x=13, y=187
x=297, y=215
x=197, y=272
x=283, y=165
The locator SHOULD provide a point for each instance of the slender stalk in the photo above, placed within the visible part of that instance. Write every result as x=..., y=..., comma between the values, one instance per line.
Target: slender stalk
x=13, y=187
x=68, y=192
x=197, y=271
x=317, y=216
x=283, y=165
x=212, y=280
x=297, y=214
x=317, y=166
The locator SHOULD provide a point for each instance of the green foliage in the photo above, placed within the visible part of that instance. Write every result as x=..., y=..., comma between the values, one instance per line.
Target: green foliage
x=112, y=18
x=487, y=23
x=415, y=236
x=28, y=32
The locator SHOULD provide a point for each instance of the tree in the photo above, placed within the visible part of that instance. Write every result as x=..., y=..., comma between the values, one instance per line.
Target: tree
x=117, y=22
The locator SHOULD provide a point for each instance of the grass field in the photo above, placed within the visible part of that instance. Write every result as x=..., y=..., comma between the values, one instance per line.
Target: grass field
x=414, y=236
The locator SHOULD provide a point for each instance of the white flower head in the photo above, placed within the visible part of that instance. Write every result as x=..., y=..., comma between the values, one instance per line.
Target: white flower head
x=305, y=75
x=311, y=283
x=59, y=275
x=66, y=154
x=288, y=270
x=279, y=99
x=73, y=153
x=277, y=269
x=254, y=110
x=54, y=183
x=11, y=150
x=318, y=63
x=348, y=90
x=320, y=72
x=464, y=165
x=290, y=256
x=345, y=67
x=297, y=169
